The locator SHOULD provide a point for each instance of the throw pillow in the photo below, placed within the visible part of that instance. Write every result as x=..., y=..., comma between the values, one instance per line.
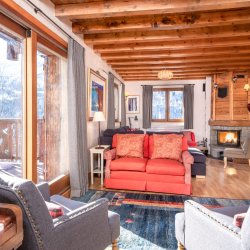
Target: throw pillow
x=238, y=219
x=54, y=209
x=167, y=146
x=130, y=145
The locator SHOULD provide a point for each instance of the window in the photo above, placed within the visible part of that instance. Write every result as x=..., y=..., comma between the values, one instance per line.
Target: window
x=167, y=105
x=11, y=111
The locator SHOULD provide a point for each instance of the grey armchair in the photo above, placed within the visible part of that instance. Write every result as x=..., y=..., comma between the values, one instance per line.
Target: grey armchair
x=241, y=153
x=83, y=226
x=200, y=228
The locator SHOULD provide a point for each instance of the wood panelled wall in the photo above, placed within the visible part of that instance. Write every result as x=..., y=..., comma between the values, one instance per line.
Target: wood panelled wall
x=232, y=109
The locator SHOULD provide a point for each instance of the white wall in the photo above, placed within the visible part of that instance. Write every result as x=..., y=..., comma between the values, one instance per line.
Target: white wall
x=201, y=105
x=92, y=60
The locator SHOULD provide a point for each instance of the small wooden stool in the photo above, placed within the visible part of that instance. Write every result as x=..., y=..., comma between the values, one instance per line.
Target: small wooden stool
x=11, y=226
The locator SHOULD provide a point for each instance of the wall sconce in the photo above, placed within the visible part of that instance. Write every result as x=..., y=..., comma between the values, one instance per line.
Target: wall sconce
x=247, y=87
x=215, y=85
x=130, y=122
x=126, y=95
x=234, y=79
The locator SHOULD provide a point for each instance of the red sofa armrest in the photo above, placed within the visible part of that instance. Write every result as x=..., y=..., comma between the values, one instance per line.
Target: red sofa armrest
x=187, y=159
x=109, y=156
x=192, y=144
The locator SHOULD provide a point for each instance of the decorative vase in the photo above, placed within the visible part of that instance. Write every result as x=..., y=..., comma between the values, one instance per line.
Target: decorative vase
x=248, y=107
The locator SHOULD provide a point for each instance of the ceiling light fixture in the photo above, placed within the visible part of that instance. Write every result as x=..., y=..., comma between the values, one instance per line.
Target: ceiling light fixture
x=165, y=74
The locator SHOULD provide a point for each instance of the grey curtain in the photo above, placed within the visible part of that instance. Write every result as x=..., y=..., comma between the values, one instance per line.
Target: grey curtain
x=188, y=106
x=147, y=95
x=111, y=102
x=77, y=122
x=123, y=106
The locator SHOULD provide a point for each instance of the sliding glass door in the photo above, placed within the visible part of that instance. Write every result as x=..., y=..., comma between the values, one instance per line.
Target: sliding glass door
x=51, y=121
x=11, y=103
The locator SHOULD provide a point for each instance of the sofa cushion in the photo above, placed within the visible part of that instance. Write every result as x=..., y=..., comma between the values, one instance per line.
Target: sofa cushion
x=130, y=145
x=167, y=146
x=165, y=166
x=128, y=175
x=146, y=145
x=130, y=164
x=151, y=146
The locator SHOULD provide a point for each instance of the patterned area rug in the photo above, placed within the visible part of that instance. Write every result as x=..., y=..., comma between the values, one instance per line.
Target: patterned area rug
x=147, y=220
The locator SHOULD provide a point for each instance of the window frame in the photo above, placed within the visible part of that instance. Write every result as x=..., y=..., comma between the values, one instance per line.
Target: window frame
x=31, y=39
x=167, y=106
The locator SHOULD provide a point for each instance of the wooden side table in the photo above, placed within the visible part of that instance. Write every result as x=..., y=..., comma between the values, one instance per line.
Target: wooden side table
x=11, y=231
x=99, y=169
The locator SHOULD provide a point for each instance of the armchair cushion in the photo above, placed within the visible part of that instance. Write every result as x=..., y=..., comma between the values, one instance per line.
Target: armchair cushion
x=165, y=167
x=129, y=164
x=66, y=204
x=234, y=152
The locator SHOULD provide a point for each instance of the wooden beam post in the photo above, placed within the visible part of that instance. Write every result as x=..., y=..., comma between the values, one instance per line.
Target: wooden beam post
x=30, y=107
x=231, y=95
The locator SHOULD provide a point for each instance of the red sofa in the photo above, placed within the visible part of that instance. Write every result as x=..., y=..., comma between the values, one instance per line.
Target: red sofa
x=146, y=174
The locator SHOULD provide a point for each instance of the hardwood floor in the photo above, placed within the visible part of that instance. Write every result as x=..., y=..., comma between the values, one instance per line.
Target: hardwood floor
x=232, y=182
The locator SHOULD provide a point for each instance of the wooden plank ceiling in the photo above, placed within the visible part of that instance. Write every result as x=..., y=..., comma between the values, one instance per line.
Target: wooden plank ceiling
x=192, y=38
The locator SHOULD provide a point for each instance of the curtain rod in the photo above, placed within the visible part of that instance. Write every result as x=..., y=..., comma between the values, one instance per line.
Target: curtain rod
x=37, y=10
x=108, y=74
x=164, y=85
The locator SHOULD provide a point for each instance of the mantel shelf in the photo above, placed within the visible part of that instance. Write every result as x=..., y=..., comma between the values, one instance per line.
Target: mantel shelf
x=229, y=123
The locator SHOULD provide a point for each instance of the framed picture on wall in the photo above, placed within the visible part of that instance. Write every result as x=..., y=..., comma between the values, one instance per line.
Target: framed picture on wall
x=132, y=104
x=96, y=94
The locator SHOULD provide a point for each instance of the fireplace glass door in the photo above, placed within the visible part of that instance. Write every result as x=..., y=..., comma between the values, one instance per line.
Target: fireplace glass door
x=228, y=138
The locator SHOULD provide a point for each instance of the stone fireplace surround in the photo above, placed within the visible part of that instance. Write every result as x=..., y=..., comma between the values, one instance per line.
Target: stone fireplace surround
x=216, y=151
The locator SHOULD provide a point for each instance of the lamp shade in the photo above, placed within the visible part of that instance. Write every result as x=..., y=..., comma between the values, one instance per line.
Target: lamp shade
x=98, y=117
x=247, y=87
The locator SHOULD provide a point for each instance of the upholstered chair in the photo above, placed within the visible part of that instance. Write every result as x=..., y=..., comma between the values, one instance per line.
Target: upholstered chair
x=241, y=153
x=83, y=226
x=201, y=228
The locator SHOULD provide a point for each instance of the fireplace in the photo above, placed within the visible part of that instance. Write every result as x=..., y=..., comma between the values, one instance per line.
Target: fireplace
x=228, y=138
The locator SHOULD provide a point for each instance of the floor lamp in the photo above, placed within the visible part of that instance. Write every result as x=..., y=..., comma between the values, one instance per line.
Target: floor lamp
x=99, y=117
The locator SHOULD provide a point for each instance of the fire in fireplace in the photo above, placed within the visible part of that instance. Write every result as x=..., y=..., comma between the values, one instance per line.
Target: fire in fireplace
x=228, y=138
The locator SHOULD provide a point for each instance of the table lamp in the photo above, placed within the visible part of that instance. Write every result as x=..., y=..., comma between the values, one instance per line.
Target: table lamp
x=99, y=117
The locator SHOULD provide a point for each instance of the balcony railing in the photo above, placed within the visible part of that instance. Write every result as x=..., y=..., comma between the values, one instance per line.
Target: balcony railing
x=11, y=139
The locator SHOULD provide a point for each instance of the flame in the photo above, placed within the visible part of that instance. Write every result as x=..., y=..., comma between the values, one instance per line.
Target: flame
x=230, y=137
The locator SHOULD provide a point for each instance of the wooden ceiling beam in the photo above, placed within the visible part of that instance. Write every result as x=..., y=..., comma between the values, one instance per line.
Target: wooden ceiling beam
x=167, y=60
x=118, y=8
x=185, y=65
x=238, y=69
x=175, y=45
x=169, y=35
x=176, y=53
x=175, y=73
x=157, y=79
x=161, y=22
